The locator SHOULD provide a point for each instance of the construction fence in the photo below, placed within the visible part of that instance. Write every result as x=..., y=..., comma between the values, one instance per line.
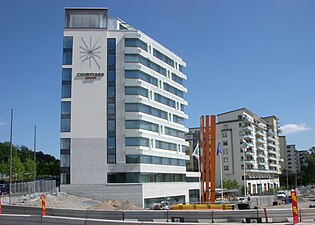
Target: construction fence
x=38, y=186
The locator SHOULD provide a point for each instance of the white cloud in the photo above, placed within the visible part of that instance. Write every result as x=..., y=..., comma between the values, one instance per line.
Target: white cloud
x=294, y=128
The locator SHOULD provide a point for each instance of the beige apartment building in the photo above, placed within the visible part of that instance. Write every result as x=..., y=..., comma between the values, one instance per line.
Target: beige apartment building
x=262, y=156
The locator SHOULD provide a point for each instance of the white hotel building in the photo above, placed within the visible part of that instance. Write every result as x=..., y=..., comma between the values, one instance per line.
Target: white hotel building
x=122, y=113
x=262, y=158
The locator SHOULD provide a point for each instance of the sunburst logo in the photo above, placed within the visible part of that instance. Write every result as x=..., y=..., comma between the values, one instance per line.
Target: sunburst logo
x=90, y=52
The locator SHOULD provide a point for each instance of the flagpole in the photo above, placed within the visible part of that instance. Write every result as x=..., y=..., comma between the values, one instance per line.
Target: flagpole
x=221, y=172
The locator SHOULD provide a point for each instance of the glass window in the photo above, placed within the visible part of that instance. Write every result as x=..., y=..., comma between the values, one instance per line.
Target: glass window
x=111, y=142
x=66, y=91
x=65, y=107
x=134, y=141
x=177, y=79
x=64, y=178
x=173, y=90
x=111, y=76
x=111, y=159
x=111, y=92
x=111, y=125
x=65, y=143
x=111, y=43
x=226, y=159
x=135, y=42
x=111, y=108
x=64, y=160
x=65, y=125
x=136, y=91
x=67, y=51
x=111, y=59
x=66, y=74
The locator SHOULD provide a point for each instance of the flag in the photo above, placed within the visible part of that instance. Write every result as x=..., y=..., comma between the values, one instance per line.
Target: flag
x=196, y=152
x=219, y=149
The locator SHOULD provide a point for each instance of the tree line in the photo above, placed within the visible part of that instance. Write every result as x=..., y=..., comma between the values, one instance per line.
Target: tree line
x=23, y=165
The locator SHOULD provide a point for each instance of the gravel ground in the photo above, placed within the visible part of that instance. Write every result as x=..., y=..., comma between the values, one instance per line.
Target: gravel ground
x=66, y=201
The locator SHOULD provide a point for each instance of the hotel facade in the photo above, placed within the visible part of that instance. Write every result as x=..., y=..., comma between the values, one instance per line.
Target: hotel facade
x=122, y=113
x=262, y=156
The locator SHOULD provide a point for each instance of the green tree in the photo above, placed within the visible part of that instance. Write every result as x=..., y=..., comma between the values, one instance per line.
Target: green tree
x=18, y=169
x=230, y=184
x=30, y=170
x=308, y=171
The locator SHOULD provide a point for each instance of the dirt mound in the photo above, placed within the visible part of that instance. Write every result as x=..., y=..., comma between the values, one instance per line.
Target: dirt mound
x=127, y=206
x=103, y=206
x=115, y=205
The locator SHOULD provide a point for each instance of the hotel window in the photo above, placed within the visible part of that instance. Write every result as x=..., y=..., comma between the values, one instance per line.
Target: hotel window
x=224, y=134
x=225, y=151
x=111, y=100
x=65, y=116
x=226, y=167
x=67, y=51
x=225, y=127
x=226, y=159
x=65, y=160
x=66, y=83
x=135, y=42
x=225, y=143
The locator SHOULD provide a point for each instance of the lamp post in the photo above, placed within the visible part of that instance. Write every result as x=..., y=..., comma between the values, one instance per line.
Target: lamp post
x=10, y=176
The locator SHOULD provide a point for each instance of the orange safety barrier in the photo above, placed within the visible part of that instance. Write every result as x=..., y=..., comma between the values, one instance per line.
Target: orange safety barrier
x=43, y=206
x=295, y=209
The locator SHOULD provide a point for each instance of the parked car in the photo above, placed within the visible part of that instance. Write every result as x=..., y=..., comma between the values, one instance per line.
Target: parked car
x=4, y=189
x=282, y=194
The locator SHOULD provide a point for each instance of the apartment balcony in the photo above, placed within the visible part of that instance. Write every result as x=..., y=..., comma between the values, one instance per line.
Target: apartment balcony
x=272, y=151
x=250, y=162
x=260, y=140
x=247, y=120
x=249, y=152
x=261, y=126
x=273, y=164
x=271, y=157
x=248, y=128
x=271, y=144
x=261, y=155
x=261, y=168
x=248, y=136
x=270, y=131
x=260, y=133
x=271, y=138
x=262, y=162
x=261, y=147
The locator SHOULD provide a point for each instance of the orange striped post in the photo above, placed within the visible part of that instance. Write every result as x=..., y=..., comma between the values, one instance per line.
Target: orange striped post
x=43, y=206
x=295, y=209
x=0, y=205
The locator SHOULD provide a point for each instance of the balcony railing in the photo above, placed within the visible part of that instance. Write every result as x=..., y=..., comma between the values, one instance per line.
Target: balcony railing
x=260, y=133
x=261, y=147
x=271, y=144
x=260, y=140
x=272, y=151
x=271, y=138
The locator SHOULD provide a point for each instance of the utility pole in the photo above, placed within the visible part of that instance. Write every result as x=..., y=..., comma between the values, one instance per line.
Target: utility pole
x=10, y=177
x=35, y=159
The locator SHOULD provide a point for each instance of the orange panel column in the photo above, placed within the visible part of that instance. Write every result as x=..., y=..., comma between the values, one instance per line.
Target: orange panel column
x=213, y=157
x=207, y=158
x=202, y=160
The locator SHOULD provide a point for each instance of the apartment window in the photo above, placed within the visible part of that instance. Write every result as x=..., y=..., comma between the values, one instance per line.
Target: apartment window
x=65, y=116
x=137, y=141
x=226, y=159
x=225, y=127
x=240, y=124
x=163, y=57
x=135, y=90
x=66, y=83
x=225, y=151
x=67, y=51
x=135, y=42
x=141, y=124
x=65, y=160
x=164, y=100
x=111, y=100
x=226, y=168
x=224, y=134
x=136, y=74
x=225, y=143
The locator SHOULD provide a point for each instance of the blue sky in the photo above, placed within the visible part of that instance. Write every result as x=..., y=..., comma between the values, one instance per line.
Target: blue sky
x=254, y=54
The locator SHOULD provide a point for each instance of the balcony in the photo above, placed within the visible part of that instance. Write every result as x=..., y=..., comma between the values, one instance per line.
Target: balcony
x=248, y=136
x=261, y=147
x=249, y=152
x=250, y=161
x=272, y=151
x=260, y=140
x=261, y=162
x=271, y=138
x=262, y=126
x=271, y=157
x=271, y=144
x=260, y=133
x=248, y=128
x=273, y=165
x=270, y=131
x=260, y=155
